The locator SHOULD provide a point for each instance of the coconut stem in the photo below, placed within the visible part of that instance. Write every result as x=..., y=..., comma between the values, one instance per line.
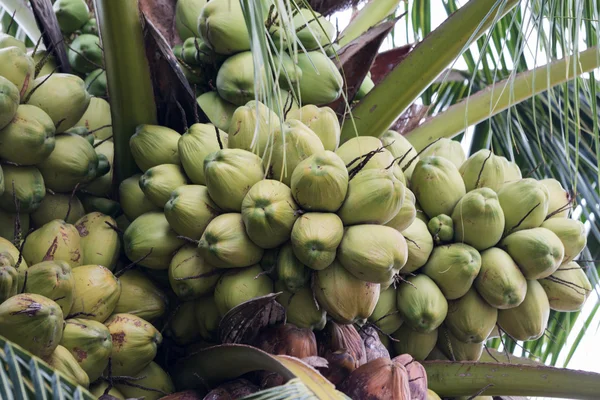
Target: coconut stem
x=480, y=392
x=103, y=140
x=524, y=218
x=490, y=353
x=189, y=240
x=17, y=227
x=183, y=116
x=568, y=284
x=59, y=123
x=37, y=44
x=567, y=206
x=133, y=264
x=419, y=153
x=25, y=281
x=481, y=170
x=71, y=201
x=78, y=314
x=413, y=242
x=12, y=20
x=365, y=159
x=219, y=138
x=92, y=81
x=20, y=259
x=98, y=66
x=205, y=275
x=196, y=106
x=28, y=97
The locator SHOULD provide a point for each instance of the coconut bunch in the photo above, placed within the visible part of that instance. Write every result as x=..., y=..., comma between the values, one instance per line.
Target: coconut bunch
x=488, y=248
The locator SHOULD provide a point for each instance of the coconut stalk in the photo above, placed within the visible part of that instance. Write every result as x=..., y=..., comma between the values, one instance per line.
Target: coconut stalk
x=23, y=16
x=370, y=15
x=500, y=96
x=405, y=83
x=128, y=76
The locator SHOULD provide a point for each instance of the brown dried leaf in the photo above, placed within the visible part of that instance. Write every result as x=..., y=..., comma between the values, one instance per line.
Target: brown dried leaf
x=185, y=395
x=410, y=119
x=387, y=61
x=162, y=15
x=316, y=362
x=51, y=34
x=328, y=7
x=373, y=346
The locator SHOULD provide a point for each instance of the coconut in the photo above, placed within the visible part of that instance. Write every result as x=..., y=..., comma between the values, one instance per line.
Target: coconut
x=151, y=383
x=512, y=172
x=140, y=296
x=187, y=13
x=81, y=131
x=529, y=319
x=483, y=169
x=29, y=188
x=500, y=282
x=207, y=317
x=402, y=150
x=567, y=288
x=134, y=343
x=419, y=245
x=571, y=233
x=189, y=210
x=421, y=303
x=195, y=145
x=538, y=252
x=133, y=201
x=99, y=240
x=90, y=343
x=9, y=249
x=152, y=145
x=85, y=54
x=525, y=204
x=354, y=152
x=441, y=228
x=449, y=149
x=238, y=286
x=245, y=134
x=99, y=388
x=225, y=243
x=471, y=319
x=345, y=298
x=560, y=201
x=190, y=275
x=321, y=81
x=290, y=271
x=222, y=26
x=310, y=28
x=45, y=62
x=218, y=111
x=97, y=119
x=97, y=292
x=183, y=327
x=236, y=79
x=9, y=104
x=407, y=214
x=365, y=87
x=158, y=182
x=52, y=279
x=321, y=120
x=100, y=204
x=320, y=182
x=71, y=14
x=150, y=241
x=29, y=138
x=453, y=268
x=56, y=240
x=18, y=68
x=73, y=162
x=90, y=27
x=95, y=83
x=418, y=345
x=457, y=350
x=56, y=206
x=373, y=253
x=7, y=40
x=295, y=143
x=229, y=175
x=33, y=322
x=315, y=239
x=64, y=362
x=9, y=277
x=102, y=185
x=7, y=225
x=478, y=219
x=300, y=308
x=386, y=315
x=195, y=52
x=269, y=212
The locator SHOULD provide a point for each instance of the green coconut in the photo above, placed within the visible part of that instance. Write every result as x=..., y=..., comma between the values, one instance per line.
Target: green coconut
x=365, y=87
x=354, y=151
x=269, y=212
x=190, y=209
x=29, y=189
x=18, y=68
x=150, y=241
x=207, y=317
x=99, y=204
x=90, y=27
x=9, y=277
x=51, y=279
x=183, y=327
x=73, y=162
x=225, y=243
x=195, y=52
x=252, y=127
x=152, y=145
x=571, y=233
x=218, y=111
x=321, y=81
x=471, y=319
x=190, y=275
x=97, y=119
x=102, y=185
x=500, y=282
x=90, y=343
x=99, y=388
x=152, y=384
x=158, y=182
x=321, y=120
x=56, y=206
x=236, y=78
x=7, y=40
x=290, y=271
x=316, y=237
x=96, y=83
x=99, y=240
x=140, y=296
x=417, y=344
x=420, y=245
x=320, y=182
x=407, y=214
x=421, y=303
x=568, y=288
x=457, y=350
x=310, y=28
x=133, y=201
x=64, y=362
x=8, y=221
x=512, y=172
x=524, y=203
x=483, y=169
x=441, y=228
x=300, y=308
x=229, y=175
x=187, y=13
x=71, y=14
x=560, y=201
x=222, y=26
x=195, y=145
x=402, y=150
x=81, y=131
x=55, y=240
x=386, y=315
x=10, y=249
x=478, y=219
x=45, y=62
x=85, y=54
x=449, y=149
x=9, y=103
x=529, y=319
x=345, y=298
x=240, y=285
x=437, y=185
x=32, y=321
x=97, y=292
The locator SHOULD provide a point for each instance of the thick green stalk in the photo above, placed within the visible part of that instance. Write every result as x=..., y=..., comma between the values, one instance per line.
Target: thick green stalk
x=370, y=15
x=405, y=83
x=500, y=96
x=450, y=379
x=23, y=16
x=128, y=76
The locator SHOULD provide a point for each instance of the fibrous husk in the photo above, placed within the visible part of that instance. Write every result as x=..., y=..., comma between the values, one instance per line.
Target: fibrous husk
x=345, y=298
x=97, y=292
x=290, y=271
x=321, y=81
x=315, y=238
x=269, y=212
x=373, y=253
x=85, y=54
x=51, y=279
x=417, y=344
x=338, y=337
x=190, y=275
x=478, y=219
x=158, y=182
x=449, y=149
x=222, y=26
x=287, y=339
x=500, y=282
x=453, y=268
x=140, y=296
x=236, y=389
x=183, y=327
x=441, y=228
x=236, y=79
x=301, y=308
x=322, y=121
x=560, y=201
x=524, y=203
x=386, y=315
x=402, y=150
x=152, y=145
x=187, y=13
x=218, y=111
x=97, y=119
x=100, y=242
x=18, y=68
x=243, y=130
x=63, y=361
x=419, y=245
x=471, y=319
x=55, y=240
x=29, y=188
x=134, y=343
x=190, y=209
x=354, y=151
x=33, y=322
x=150, y=241
x=71, y=14
x=407, y=214
x=340, y=364
x=381, y=378
x=437, y=185
x=133, y=201
x=567, y=288
x=56, y=206
x=456, y=350
x=483, y=169
x=421, y=303
x=240, y=285
x=571, y=233
x=529, y=319
x=207, y=317
x=90, y=343
x=195, y=145
x=225, y=243
x=373, y=346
